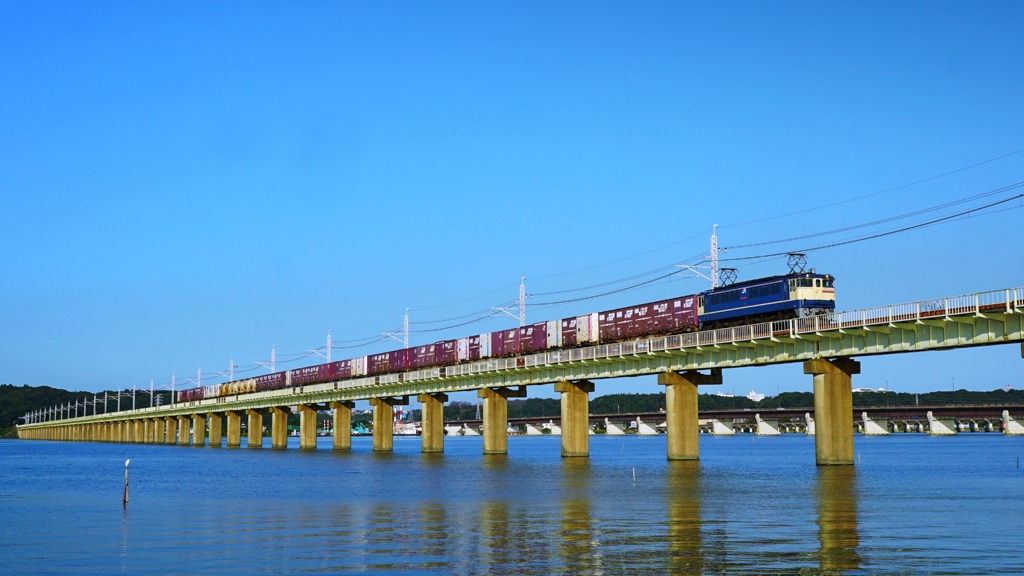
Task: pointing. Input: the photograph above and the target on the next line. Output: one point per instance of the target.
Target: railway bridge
(826, 345)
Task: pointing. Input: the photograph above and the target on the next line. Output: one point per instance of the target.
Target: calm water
(915, 505)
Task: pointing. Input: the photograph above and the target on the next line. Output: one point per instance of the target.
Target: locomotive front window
(817, 283)
(828, 282)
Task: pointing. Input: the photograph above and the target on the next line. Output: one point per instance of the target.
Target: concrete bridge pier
(432, 411)
(342, 425)
(198, 430)
(216, 429)
(495, 412)
(171, 427)
(610, 429)
(871, 427)
(254, 427)
(766, 428)
(183, 430)
(234, 439)
(147, 431)
(681, 423)
(940, 426)
(645, 429)
(278, 428)
(719, 428)
(1010, 425)
(307, 427)
(532, 430)
(833, 409)
(383, 421)
(575, 417)
(138, 436)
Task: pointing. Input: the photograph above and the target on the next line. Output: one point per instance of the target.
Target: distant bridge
(825, 344)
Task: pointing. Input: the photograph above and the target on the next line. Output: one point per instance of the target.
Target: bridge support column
(383, 422)
(575, 417)
(940, 426)
(216, 430)
(234, 439)
(342, 425)
(766, 428)
(719, 428)
(432, 411)
(172, 430)
(278, 428)
(255, 429)
(1011, 426)
(307, 427)
(183, 431)
(833, 409)
(809, 421)
(198, 430)
(495, 412)
(139, 432)
(147, 431)
(681, 422)
(872, 428)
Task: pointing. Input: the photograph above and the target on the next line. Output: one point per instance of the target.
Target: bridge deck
(940, 324)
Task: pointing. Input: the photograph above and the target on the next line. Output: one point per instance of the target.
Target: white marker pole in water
(126, 482)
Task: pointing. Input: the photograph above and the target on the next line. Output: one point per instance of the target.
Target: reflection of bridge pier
(577, 538)
(837, 518)
(683, 503)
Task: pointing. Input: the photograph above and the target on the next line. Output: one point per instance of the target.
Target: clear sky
(183, 182)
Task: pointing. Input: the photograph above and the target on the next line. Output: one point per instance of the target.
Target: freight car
(778, 297)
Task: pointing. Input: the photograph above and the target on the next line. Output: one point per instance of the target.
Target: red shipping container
(270, 381)
(378, 363)
(569, 331)
(446, 352)
(505, 343)
(422, 356)
(474, 347)
(398, 361)
(533, 338)
(665, 317)
(342, 370)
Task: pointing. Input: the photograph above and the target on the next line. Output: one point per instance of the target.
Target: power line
(887, 190)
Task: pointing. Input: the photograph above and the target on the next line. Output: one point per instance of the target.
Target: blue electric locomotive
(776, 298)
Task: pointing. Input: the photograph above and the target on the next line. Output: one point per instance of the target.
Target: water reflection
(683, 495)
(837, 518)
(579, 546)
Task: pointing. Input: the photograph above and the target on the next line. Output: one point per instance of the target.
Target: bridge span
(826, 345)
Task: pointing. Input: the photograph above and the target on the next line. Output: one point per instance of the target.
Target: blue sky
(185, 182)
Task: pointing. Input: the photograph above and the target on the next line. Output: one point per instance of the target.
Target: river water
(915, 504)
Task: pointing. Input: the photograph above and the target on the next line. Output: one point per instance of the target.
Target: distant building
(724, 395)
(868, 390)
(755, 396)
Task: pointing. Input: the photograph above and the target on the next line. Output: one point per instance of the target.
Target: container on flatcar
(568, 331)
(675, 315)
(398, 360)
(446, 353)
(533, 338)
(505, 342)
(422, 356)
(342, 369)
(554, 333)
(587, 331)
(474, 347)
(359, 366)
(664, 317)
(378, 363)
(190, 395)
(271, 381)
(212, 391)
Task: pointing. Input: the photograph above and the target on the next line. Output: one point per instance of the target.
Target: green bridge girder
(987, 318)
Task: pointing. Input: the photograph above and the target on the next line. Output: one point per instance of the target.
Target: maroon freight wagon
(270, 381)
(421, 356)
(446, 353)
(664, 317)
(311, 375)
(342, 369)
(533, 338)
(505, 343)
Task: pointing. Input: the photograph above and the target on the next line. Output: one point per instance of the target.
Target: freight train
(795, 295)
